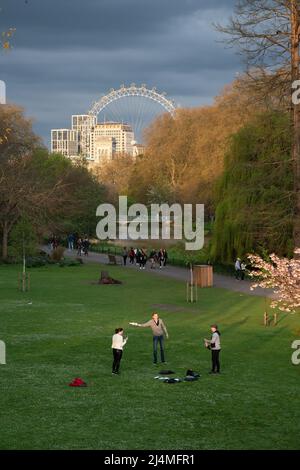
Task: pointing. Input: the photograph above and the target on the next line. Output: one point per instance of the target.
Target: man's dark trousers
(160, 340)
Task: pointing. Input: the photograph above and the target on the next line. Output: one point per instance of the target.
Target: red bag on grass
(78, 382)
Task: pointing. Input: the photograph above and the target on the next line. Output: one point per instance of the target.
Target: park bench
(112, 259)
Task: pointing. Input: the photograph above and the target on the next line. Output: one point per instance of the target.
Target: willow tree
(267, 33)
(254, 195)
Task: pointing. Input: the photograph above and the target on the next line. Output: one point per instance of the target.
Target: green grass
(66, 332)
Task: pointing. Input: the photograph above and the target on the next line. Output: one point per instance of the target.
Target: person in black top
(85, 246)
(214, 344)
(124, 254)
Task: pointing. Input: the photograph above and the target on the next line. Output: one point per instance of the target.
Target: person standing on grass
(118, 342)
(214, 344)
(159, 330)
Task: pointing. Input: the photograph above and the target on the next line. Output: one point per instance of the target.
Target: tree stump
(106, 279)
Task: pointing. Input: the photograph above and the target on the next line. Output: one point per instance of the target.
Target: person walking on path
(71, 242)
(86, 246)
(131, 256)
(243, 270)
(165, 256)
(238, 269)
(143, 258)
(214, 344)
(161, 258)
(118, 342)
(124, 254)
(79, 246)
(159, 330)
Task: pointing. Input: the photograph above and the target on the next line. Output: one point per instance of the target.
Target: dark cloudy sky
(68, 52)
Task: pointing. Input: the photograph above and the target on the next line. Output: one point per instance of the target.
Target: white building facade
(121, 136)
(93, 141)
(64, 141)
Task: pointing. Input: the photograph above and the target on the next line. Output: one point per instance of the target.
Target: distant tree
(115, 175)
(41, 188)
(19, 138)
(184, 156)
(23, 239)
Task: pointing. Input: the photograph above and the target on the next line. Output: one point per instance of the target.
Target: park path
(181, 274)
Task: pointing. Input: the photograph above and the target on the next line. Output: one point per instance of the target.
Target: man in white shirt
(118, 342)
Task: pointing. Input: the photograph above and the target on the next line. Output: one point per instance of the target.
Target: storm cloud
(67, 53)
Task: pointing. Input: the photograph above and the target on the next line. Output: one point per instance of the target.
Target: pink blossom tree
(280, 274)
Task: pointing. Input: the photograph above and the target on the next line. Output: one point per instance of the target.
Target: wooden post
(275, 319)
(23, 282)
(192, 282)
(266, 319)
(191, 287)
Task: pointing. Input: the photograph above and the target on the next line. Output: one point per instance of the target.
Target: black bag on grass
(172, 381)
(192, 373)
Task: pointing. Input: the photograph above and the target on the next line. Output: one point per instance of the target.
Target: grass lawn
(62, 329)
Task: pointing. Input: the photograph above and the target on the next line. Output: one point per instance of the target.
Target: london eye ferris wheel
(135, 105)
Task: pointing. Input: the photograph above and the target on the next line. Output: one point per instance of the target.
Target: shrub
(35, 261)
(69, 262)
(57, 254)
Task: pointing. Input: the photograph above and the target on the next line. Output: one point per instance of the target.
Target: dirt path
(179, 273)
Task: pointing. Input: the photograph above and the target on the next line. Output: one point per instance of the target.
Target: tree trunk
(4, 240)
(295, 62)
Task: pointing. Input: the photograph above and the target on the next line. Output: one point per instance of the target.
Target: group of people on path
(240, 269)
(82, 244)
(159, 331)
(54, 242)
(139, 256)
(74, 241)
